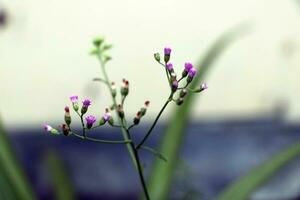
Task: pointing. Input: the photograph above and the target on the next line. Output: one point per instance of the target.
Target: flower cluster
(178, 93)
(188, 73)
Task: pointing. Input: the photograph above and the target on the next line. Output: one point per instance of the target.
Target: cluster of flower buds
(189, 72)
(124, 87)
(141, 113)
(101, 47)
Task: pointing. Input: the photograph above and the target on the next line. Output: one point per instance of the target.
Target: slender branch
(100, 80)
(83, 126)
(101, 141)
(155, 121)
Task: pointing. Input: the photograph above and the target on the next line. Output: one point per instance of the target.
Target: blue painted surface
(214, 154)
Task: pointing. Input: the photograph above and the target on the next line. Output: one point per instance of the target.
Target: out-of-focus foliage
(244, 186)
(60, 180)
(13, 182)
(163, 173)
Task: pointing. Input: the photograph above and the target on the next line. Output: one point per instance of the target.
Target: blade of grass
(11, 168)
(244, 186)
(61, 181)
(162, 174)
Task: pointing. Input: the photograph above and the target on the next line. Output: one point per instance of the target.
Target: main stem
(130, 146)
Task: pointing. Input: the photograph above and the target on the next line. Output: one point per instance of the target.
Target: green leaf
(60, 180)
(13, 182)
(162, 174)
(244, 186)
(154, 152)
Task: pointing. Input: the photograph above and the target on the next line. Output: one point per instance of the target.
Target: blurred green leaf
(13, 182)
(162, 175)
(154, 152)
(244, 186)
(62, 184)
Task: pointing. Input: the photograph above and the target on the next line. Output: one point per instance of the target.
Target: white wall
(44, 54)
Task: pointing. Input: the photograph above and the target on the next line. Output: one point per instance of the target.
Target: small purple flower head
(90, 120)
(167, 50)
(47, 127)
(107, 115)
(174, 85)
(86, 103)
(169, 66)
(203, 86)
(74, 99)
(192, 72)
(188, 66)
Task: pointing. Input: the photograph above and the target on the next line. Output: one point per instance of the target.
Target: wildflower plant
(178, 89)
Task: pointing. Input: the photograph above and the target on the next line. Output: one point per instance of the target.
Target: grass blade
(13, 179)
(60, 180)
(162, 174)
(244, 186)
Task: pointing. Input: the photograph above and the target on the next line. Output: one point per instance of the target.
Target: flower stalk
(87, 122)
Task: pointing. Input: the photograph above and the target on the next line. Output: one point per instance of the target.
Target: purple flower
(192, 72)
(203, 86)
(47, 127)
(188, 66)
(86, 103)
(169, 66)
(167, 51)
(90, 120)
(74, 99)
(106, 116)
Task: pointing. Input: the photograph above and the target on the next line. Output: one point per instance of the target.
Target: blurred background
(250, 112)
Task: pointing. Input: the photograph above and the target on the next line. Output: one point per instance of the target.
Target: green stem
(155, 121)
(124, 132)
(83, 126)
(101, 141)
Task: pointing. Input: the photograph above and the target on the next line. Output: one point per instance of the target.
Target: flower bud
(179, 101)
(114, 89)
(74, 100)
(187, 68)
(157, 57)
(202, 87)
(170, 68)
(167, 54)
(49, 128)
(90, 120)
(98, 41)
(65, 129)
(183, 92)
(174, 86)
(120, 111)
(144, 109)
(85, 104)
(137, 118)
(124, 88)
(191, 74)
(67, 116)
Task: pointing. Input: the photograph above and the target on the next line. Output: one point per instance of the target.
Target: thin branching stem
(155, 121)
(101, 141)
